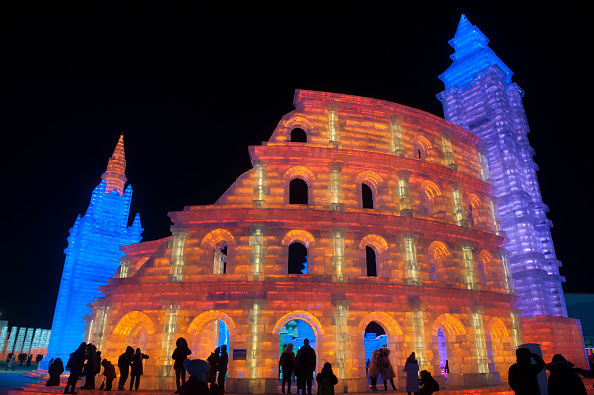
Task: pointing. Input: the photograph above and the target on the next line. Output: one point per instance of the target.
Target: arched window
(220, 259)
(366, 196)
(298, 135)
(297, 259)
(297, 191)
(371, 262)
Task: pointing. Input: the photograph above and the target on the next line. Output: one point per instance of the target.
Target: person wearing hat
(563, 379)
(197, 384)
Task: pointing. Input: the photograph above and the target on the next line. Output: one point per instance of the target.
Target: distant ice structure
(93, 254)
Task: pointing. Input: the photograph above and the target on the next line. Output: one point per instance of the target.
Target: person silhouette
(522, 375)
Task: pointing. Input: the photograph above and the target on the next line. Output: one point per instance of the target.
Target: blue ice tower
(480, 97)
(93, 254)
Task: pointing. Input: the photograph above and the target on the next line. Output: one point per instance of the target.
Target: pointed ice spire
(472, 55)
(114, 176)
(468, 39)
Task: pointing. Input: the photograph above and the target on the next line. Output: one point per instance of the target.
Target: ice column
(255, 337)
(418, 329)
(170, 328)
(409, 254)
(98, 328)
(480, 342)
(258, 251)
(396, 137)
(335, 186)
(459, 212)
(261, 190)
(507, 277)
(125, 264)
(333, 128)
(448, 152)
(177, 261)
(404, 193)
(485, 173)
(342, 338)
(468, 264)
(338, 262)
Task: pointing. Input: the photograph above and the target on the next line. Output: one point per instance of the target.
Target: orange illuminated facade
(399, 230)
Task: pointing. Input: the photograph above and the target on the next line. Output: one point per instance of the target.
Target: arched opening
(443, 353)
(366, 196)
(295, 332)
(220, 259)
(298, 191)
(371, 262)
(297, 258)
(212, 335)
(298, 135)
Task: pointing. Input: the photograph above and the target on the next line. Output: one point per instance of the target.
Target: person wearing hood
(326, 380)
(136, 369)
(197, 382)
(109, 373)
(563, 379)
(75, 365)
(523, 375)
(179, 355)
(55, 370)
(411, 367)
(124, 362)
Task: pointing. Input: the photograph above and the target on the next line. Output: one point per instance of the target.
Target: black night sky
(191, 91)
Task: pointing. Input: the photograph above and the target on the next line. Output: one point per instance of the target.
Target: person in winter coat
(427, 383)
(136, 369)
(92, 367)
(10, 363)
(306, 364)
(213, 361)
(288, 363)
(197, 383)
(109, 373)
(411, 367)
(75, 365)
(374, 368)
(563, 380)
(180, 354)
(222, 367)
(124, 362)
(55, 371)
(523, 375)
(326, 380)
(386, 368)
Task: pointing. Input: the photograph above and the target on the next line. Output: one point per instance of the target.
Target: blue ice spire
(479, 96)
(472, 55)
(93, 254)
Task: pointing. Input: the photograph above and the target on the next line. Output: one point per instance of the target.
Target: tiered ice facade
(481, 98)
(93, 255)
(398, 229)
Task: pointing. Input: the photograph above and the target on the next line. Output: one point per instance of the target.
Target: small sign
(239, 354)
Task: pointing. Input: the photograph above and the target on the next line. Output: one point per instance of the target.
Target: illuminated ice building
(92, 255)
(359, 212)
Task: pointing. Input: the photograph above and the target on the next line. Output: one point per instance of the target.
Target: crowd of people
(208, 377)
(23, 357)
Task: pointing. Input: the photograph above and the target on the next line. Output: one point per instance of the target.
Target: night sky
(191, 91)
